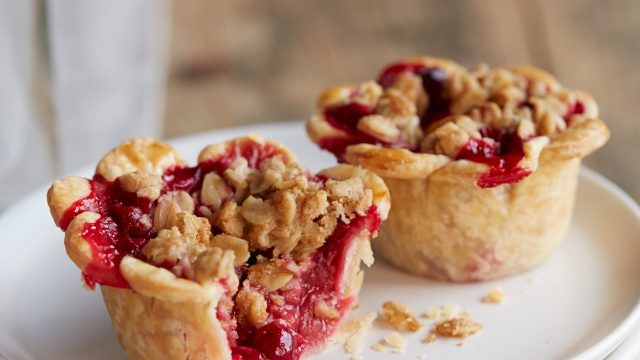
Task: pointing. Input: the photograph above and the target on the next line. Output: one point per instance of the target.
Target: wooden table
(248, 61)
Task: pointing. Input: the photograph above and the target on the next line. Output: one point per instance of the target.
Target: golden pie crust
(442, 225)
(165, 316)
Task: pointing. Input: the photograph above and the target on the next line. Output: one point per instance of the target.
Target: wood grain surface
(249, 61)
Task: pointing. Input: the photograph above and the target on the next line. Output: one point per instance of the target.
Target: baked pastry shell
(442, 225)
(149, 326)
(445, 227)
(152, 326)
(163, 316)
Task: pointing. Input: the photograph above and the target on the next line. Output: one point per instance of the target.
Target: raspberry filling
(292, 328)
(502, 155)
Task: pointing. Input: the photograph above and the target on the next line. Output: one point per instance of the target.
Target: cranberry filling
(345, 117)
(190, 178)
(277, 341)
(292, 327)
(391, 72)
(502, 156)
(103, 238)
(125, 225)
(574, 109)
(433, 81)
(338, 145)
(246, 353)
(96, 202)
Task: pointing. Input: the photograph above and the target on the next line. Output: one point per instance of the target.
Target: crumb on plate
(431, 337)
(495, 296)
(400, 316)
(457, 328)
(353, 331)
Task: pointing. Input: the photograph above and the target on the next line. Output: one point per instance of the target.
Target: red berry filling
(124, 227)
(277, 341)
(433, 80)
(104, 240)
(246, 353)
(502, 156)
(292, 327)
(190, 178)
(96, 202)
(574, 109)
(345, 117)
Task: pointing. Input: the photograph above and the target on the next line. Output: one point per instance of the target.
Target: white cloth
(25, 146)
(107, 65)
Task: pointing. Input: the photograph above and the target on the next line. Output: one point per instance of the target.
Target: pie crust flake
(246, 255)
(482, 163)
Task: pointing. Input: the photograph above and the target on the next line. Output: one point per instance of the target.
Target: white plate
(581, 304)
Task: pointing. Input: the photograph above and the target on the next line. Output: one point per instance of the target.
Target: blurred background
(77, 77)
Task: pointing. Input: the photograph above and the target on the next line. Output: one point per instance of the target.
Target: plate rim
(602, 348)
(620, 333)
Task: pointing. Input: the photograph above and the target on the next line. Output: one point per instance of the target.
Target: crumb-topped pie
(246, 255)
(481, 163)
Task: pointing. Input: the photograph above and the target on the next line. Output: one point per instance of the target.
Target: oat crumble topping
(478, 97)
(278, 208)
(435, 106)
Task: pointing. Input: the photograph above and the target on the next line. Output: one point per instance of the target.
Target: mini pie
(246, 255)
(481, 163)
